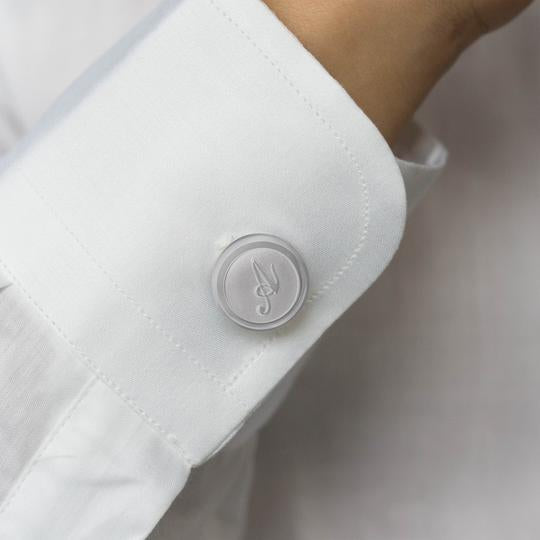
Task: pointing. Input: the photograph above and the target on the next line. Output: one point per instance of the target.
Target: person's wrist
(386, 57)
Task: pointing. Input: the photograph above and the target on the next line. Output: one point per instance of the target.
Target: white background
(419, 417)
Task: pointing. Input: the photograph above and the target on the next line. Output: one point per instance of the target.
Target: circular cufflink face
(260, 282)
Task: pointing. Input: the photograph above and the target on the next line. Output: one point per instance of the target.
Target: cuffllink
(260, 282)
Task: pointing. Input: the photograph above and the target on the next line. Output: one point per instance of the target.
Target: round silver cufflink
(260, 282)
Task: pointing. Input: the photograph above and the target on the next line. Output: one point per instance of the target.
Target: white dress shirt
(119, 374)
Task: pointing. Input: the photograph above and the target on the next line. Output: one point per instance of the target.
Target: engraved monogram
(267, 286)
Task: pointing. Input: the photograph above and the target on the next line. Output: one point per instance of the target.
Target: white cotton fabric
(111, 215)
(35, 386)
(426, 393)
(133, 226)
(421, 159)
(75, 461)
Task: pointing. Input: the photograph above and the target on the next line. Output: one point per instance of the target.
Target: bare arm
(388, 54)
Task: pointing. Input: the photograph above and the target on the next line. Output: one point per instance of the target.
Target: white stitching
(253, 359)
(138, 307)
(354, 255)
(171, 437)
(225, 386)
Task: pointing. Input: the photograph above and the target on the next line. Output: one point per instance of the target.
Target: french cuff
(421, 158)
(207, 123)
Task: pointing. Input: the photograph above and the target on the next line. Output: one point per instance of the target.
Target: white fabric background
(418, 418)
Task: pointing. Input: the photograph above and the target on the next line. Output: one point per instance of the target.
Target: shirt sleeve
(206, 123)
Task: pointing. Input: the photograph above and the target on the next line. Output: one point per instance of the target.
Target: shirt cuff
(421, 158)
(206, 123)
